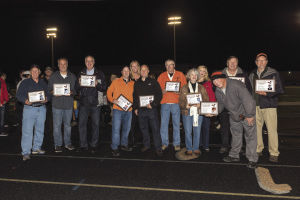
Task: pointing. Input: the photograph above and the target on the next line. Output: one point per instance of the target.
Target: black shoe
(3, 134)
(159, 153)
(144, 149)
(252, 165)
(58, 149)
(230, 159)
(223, 150)
(115, 153)
(126, 148)
(70, 147)
(273, 159)
(93, 150)
(260, 153)
(82, 149)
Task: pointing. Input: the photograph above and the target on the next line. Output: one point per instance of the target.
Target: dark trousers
(225, 128)
(19, 110)
(205, 132)
(134, 130)
(146, 118)
(2, 112)
(84, 112)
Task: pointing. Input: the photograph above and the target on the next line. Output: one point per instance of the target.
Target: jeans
(149, 117)
(205, 132)
(192, 142)
(33, 120)
(120, 118)
(165, 111)
(2, 112)
(84, 112)
(59, 116)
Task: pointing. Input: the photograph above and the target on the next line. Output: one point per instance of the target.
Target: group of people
(138, 98)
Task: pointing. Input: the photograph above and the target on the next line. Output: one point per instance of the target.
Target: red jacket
(4, 93)
(209, 90)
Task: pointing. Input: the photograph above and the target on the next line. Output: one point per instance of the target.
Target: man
(169, 105)
(148, 114)
(62, 105)
(266, 105)
(88, 105)
(34, 114)
(3, 100)
(232, 71)
(234, 96)
(47, 74)
(121, 116)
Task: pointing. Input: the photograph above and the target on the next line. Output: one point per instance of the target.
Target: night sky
(116, 32)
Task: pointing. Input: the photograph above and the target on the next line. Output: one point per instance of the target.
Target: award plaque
(265, 85)
(242, 79)
(172, 86)
(38, 96)
(193, 99)
(87, 81)
(123, 103)
(61, 89)
(209, 108)
(145, 100)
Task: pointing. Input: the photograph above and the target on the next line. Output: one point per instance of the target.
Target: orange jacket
(171, 97)
(118, 87)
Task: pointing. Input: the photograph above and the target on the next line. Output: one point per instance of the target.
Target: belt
(37, 105)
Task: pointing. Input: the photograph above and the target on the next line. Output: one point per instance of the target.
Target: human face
(134, 67)
(202, 72)
(170, 66)
(261, 63)
(125, 72)
(48, 73)
(220, 82)
(63, 65)
(193, 77)
(232, 64)
(35, 72)
(144, 71)
(3, 77)
(89, 62)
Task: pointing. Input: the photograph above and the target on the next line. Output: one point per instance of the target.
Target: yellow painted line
(148, 188)
(150, 160)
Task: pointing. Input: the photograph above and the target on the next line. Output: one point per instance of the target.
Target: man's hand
(149, 106)
(27, 102)
(250, 121)
(115, 102)
(136, 112)
(164, 91)
(45, 101)
(188, 106)
(262, 93)
(209, 115)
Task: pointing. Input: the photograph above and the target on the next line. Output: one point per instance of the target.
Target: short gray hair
(193, 70)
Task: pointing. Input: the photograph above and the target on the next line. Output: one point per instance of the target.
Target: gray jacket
(237, 100)
(62, 102)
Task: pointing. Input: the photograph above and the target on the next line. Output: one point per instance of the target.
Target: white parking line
(150, 160)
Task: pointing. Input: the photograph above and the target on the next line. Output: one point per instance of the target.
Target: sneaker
(26, 157)
(3, 134)
(115, 153)
(70, 147)
(159, 153)
(164, 147)
(188, 153)
(273, 159)
(126, 148)
(58, 149)
(177, 148)
(144, 149)
(197, 152)
(223, 150)
(207, 149)
(93, 150)
(39, 151)
(6, 126)
(230, 159)
(15, 125)
(252, 165)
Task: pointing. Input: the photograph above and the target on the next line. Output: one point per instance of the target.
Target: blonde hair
(193, 70)
(206, 77)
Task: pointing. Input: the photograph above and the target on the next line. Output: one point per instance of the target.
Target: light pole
(173, 21)
(51, 33)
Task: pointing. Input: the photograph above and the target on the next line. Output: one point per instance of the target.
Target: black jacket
(145, 88)
(89, 95)
(241, 73)
(271, 100)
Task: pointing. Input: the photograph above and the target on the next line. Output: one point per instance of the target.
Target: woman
(190, 113)
(135, 70)
(3, 100)
(205, 81)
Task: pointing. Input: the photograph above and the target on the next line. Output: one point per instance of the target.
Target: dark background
(116, 32)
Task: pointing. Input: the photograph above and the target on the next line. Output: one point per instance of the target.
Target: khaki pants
(269, 116)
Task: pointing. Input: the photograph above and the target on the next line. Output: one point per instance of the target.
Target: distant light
(289, 72)
(174, 18)
(51, 35)
(175, 22)
(51, 29)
